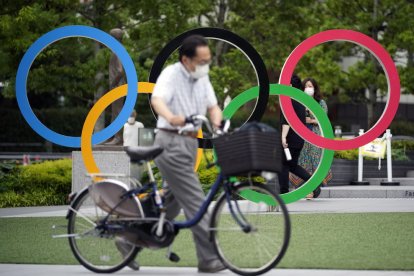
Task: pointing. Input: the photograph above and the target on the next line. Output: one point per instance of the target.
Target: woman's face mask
(131, 120)
(310, 91)
(200, 71)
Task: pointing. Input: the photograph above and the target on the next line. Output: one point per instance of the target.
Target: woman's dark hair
(317, 94)
(190, 44)
(295, 81)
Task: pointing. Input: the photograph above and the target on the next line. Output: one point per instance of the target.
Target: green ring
(326, 128)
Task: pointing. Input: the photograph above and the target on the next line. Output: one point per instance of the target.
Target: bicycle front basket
(249, 151)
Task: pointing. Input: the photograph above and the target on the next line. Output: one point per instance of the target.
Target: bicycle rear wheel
(264, 242)
(94, 248)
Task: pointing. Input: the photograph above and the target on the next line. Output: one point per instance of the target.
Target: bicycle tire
(110, 259)
(226, 244)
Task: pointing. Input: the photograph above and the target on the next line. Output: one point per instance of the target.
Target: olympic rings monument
(94, 162)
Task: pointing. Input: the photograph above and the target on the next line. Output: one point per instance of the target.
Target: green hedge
(207, 176)
(47, 183)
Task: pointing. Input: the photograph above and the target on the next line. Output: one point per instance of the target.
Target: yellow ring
(95, 112)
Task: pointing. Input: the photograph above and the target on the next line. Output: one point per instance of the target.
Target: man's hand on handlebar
(190, 122)
(177, 120)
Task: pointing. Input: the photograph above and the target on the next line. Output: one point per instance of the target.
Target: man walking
(184, 89)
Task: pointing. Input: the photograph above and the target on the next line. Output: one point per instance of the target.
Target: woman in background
(311, 155)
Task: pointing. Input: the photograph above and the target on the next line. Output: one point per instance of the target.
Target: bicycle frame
(204, 207)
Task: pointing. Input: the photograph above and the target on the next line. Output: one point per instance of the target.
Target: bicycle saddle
(137, 154)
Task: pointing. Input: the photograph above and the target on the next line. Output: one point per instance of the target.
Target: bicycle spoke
(81, 215)
(258, 250)
(94, 249)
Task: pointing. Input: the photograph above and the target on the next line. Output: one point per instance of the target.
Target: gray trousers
(176, 164)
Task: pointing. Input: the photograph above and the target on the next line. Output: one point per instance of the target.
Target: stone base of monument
(109, 160)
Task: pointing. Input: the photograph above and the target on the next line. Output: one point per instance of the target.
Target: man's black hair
(296, 82)
(190, 44)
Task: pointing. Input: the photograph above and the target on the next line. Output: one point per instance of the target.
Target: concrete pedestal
(109, 160)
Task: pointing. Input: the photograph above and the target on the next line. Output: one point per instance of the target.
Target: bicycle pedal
(174, 257)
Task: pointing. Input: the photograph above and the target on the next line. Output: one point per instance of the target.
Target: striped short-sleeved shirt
(183, 94)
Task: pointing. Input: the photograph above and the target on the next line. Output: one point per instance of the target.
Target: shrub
(405, 145)
(402, 127)
(34, 198)
(207, 176)
(46, 183)
(351, 154)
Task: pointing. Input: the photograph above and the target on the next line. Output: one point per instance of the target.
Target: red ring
(390, 72)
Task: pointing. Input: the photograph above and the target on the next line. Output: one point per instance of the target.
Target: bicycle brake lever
(190, 119)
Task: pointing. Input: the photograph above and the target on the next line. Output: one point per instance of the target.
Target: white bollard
(389, 181)
(360, 166)
(389, 155)
(360, 159)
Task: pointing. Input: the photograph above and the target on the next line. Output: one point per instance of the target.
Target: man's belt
(192, 134)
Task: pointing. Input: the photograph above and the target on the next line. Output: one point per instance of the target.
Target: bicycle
(241, 224)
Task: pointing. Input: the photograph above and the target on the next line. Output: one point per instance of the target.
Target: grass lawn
(383, 241)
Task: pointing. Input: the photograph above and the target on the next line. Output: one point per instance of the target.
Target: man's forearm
(216, 116)
(161, 108)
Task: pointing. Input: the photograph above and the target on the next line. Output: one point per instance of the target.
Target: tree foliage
(75, 69)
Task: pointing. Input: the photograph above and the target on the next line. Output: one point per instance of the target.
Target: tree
(388, 22)
(22, 22)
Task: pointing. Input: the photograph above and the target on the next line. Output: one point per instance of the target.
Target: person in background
(311, 155)
(131, 127)
(292, 141)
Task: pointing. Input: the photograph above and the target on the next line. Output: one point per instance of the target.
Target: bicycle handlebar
(192, 120)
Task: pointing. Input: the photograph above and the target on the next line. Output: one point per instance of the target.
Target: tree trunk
(221, 18)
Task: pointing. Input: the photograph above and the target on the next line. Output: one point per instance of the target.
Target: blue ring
(75, 31)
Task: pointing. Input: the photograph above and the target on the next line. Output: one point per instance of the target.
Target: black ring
(233, 39)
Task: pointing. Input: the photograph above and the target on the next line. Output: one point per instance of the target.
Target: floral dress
(311, 155)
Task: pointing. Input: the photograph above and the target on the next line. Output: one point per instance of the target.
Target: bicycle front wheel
(261, 243)
(96, 250)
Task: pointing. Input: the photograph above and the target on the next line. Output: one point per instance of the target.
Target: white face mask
(200, 71)
(310, 91)
(131, 120)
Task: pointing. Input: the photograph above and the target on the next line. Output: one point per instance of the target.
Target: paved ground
(320, 205)
(64, 270)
